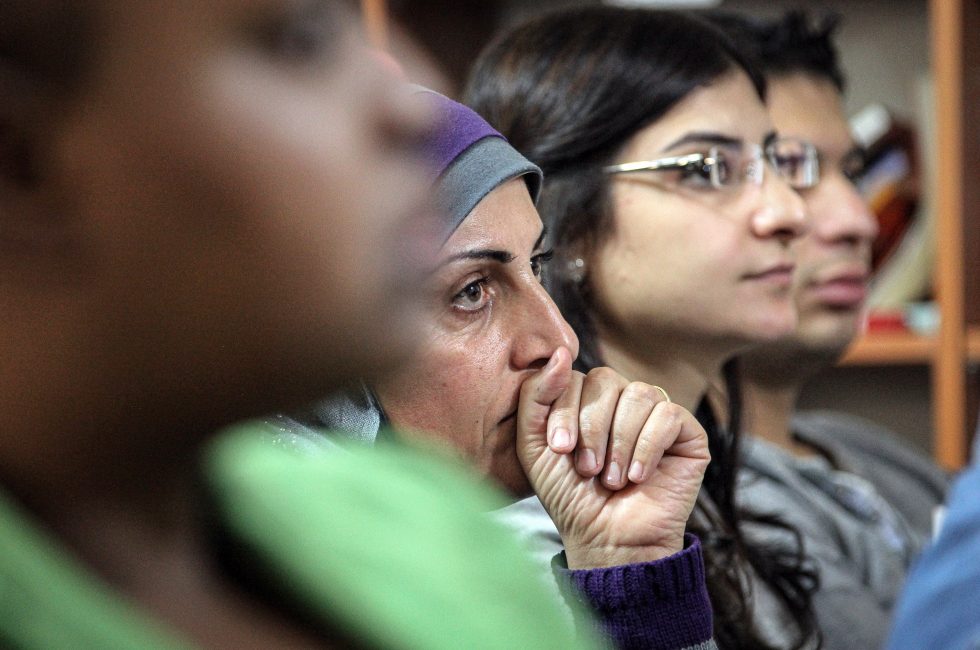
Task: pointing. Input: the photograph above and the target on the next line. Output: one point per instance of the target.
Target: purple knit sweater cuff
(662, 604)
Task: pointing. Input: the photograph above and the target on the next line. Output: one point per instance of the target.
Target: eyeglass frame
(759, 154)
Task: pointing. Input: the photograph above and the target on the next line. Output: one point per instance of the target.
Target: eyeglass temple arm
(653, 165)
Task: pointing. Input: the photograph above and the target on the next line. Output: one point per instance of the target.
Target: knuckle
(641, 393)
(605, 376)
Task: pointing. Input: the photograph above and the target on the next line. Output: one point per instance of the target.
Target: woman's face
(687, 266)
(245, 191)
(489, 324)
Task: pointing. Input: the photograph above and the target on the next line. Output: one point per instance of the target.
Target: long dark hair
(569, 89)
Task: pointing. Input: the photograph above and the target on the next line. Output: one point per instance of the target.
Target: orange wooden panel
(973, 344)
(949, 390)
(891, 348)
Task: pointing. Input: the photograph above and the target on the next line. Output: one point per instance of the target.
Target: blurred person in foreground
(862, 498)
(188, 203)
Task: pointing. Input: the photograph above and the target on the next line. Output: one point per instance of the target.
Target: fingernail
(561, 438)
(587, 461)
(613, 474)
(636, 471)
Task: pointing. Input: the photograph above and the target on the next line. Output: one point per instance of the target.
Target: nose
(839, 213)
(539, 329)
(780, 213)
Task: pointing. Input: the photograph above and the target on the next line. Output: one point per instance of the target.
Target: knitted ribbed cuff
(661, 604)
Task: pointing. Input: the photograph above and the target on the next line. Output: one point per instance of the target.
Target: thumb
(538, 394)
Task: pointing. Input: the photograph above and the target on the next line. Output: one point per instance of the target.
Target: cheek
(666, 254)
(449, 394)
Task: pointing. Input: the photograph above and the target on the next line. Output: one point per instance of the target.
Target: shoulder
(872, 443)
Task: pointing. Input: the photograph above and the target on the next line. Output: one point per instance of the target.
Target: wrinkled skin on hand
(623, 516)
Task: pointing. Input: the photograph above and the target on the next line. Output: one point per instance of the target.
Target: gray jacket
(864, 511)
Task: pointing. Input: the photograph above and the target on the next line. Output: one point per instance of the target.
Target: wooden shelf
(973, 343)
(892, 348)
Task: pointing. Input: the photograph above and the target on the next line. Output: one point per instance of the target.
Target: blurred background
(913, 75)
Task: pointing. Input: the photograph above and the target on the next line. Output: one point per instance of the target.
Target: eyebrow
(503, 257)
(704, 137)
(499, 256)
(710, 137)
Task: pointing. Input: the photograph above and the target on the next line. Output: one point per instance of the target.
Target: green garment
(385, 545)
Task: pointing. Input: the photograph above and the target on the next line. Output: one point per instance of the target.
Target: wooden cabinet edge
(973, 343)
(891, 348)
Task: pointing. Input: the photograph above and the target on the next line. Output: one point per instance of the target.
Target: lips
(842, 292)
(780, 275)
(841, 288)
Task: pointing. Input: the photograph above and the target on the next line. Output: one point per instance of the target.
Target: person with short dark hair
(862, 499)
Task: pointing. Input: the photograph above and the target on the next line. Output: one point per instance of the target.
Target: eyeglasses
(794, 160)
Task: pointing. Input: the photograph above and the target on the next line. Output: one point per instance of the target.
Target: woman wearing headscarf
(492, 385)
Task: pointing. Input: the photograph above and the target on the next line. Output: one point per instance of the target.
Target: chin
(778, 325)
(834, 330)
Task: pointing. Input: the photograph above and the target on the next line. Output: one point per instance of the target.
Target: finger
(635, 405)
(692, 440)
(670, 430)
(600, 393)
(563, 419)
(538, 393)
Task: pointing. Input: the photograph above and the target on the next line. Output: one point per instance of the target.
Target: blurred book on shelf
(889, 181)
(897, 183)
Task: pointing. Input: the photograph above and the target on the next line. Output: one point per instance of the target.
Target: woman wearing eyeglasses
(670, 198)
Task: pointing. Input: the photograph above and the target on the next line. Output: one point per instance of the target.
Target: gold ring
(664, 393)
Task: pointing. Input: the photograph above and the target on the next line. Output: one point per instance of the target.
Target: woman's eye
(473, 297)
(852, 167)
(790, 168)
(698, 173)
(539, 261)
(724, 169)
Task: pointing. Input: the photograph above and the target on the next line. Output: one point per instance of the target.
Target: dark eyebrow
(716, 139)
(499, 256)
(705, 137)
(502, 257)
